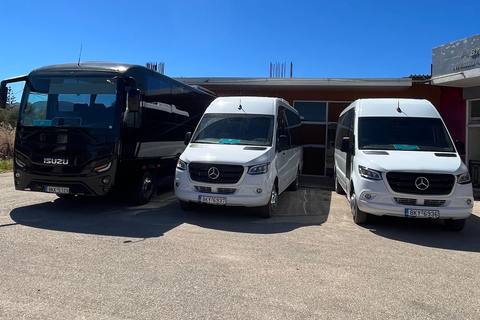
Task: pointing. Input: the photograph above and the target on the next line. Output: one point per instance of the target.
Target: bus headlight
(103, 167)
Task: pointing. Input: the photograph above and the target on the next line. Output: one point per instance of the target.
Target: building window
(474, 112)
(314, 111)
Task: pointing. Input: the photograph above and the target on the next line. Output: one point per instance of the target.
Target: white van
(395, 157)
(245, 151)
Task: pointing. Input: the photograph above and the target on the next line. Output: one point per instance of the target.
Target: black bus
(90, 128)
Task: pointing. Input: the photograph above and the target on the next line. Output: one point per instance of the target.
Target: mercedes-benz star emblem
(213, 173)
(422, 183)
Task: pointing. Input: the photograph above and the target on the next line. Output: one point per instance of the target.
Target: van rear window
(422, 134)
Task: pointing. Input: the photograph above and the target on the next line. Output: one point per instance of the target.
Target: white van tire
(455, 225)
(268, 210)
(359, 217)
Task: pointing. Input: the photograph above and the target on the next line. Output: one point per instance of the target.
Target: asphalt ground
(92, 258)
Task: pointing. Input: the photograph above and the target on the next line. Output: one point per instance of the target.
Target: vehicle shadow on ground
(427, 232)
(114, 217)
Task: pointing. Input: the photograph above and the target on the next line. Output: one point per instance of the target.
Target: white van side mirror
(345, 147)
(283, 143)
(460, 145)
(188, 136)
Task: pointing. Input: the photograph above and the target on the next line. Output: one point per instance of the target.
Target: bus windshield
(87, 102)
(248, 129)
(408, 134)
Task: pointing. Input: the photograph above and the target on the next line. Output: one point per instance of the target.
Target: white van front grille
(431, 183)
(414, 202)
(215, 190)
(223, 173)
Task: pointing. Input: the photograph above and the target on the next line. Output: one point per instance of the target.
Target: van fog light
(259, 190)
(177, 184)
(368, 196)
(468, 201)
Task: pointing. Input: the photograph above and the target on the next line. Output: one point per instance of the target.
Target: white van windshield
(246, 129)
(422, 134)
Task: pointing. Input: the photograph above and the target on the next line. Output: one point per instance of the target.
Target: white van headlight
(463, 178)
(262, 168)
(182, 165)
(368, 173)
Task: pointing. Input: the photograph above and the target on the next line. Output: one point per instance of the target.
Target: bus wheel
(145, 189)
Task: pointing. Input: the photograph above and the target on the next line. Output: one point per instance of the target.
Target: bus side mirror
(460, 145)
(3, 96)
(188, 136)
(345, 146)
(133, 100)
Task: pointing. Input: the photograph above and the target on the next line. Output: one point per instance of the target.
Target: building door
(319, 122)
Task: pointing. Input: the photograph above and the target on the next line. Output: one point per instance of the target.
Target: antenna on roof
(240, 106)
(398, 107)
(80, 55)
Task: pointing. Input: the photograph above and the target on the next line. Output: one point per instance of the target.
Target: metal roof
(301, 83)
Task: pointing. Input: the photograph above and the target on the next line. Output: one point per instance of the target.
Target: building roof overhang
(302, 83)
(462, 79)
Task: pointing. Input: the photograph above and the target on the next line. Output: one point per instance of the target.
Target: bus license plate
(434, 214)
(212, 200)
(60, 190)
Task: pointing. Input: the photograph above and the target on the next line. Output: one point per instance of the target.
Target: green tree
(9, 116)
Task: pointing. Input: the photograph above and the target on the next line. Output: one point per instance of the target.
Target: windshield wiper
(86, 134)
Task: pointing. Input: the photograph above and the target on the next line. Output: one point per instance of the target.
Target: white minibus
(395, 157)
(245, 151)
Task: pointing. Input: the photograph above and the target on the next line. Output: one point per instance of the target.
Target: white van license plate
(212, 200)
(60, 190)
(435, 214)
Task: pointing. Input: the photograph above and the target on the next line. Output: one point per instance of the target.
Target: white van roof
(393, 107)
(249, 105)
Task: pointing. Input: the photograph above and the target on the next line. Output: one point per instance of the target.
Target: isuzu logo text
(55, 161)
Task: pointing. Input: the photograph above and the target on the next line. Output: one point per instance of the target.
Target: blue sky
(323, 39)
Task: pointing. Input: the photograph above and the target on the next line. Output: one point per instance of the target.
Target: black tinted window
(423, 134)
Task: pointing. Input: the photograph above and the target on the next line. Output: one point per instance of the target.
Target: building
(457, 65)
(454, 89)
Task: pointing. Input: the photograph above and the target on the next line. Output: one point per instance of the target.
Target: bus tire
(145, 189)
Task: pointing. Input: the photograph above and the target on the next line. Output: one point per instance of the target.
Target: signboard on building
(456, 56)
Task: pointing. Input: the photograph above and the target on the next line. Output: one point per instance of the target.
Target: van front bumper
(374, 198)
(252, 191)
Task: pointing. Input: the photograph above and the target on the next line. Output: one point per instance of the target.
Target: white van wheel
(359, 217)
(267, 210)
